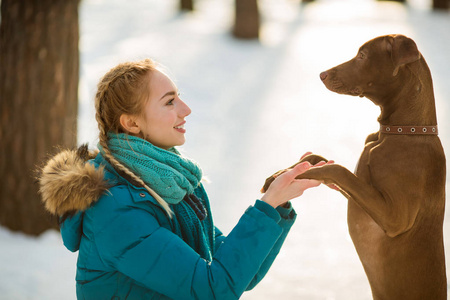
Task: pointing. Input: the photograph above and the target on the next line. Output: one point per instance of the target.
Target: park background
(257, 106)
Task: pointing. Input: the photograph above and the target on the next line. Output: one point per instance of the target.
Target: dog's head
(376, 68)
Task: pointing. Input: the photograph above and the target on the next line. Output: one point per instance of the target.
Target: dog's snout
(323, 75)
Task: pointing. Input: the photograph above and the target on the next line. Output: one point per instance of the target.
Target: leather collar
(410, 130)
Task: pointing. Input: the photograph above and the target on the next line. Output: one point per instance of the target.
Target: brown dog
(397, 194)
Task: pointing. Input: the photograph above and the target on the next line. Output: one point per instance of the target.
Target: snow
(257, 107)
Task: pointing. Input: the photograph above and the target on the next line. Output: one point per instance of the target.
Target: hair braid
(122, 91)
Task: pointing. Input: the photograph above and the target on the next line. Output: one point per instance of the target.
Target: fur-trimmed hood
(69, 183)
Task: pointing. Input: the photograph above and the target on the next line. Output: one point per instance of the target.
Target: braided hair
(124, 90)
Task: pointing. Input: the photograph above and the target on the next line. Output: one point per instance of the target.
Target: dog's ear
(403, 51)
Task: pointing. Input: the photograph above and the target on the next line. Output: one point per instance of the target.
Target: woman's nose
(185, 110)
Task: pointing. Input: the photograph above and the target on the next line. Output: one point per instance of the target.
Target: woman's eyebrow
(171, 93)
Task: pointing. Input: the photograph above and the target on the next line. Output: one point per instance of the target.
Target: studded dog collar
(418, 130)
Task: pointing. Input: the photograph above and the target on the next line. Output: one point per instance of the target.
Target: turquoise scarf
(169, 174)
(174, 178)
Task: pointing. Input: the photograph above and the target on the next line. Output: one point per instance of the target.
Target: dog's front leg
(383, 211)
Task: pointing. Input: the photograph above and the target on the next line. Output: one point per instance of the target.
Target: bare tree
(187, 5)
(39, 61)
(441, 4)
(246, 25)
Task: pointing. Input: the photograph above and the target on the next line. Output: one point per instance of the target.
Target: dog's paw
(270, 179)
(309, 157)
(312, 159)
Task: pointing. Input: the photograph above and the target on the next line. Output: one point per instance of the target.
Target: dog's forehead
(376, 40)
(373, 43)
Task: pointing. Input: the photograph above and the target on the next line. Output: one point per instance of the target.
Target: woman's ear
(129, 124)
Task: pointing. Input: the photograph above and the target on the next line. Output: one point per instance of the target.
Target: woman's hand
(285, 187)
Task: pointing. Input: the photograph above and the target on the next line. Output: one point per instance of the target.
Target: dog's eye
(361, 55)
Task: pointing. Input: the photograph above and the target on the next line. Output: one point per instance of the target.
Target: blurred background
(252, 82)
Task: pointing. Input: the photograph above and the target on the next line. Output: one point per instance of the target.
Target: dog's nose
(323, 75)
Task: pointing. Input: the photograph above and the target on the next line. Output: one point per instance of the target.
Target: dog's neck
(413, 104)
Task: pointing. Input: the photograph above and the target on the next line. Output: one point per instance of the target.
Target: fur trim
(68, 183)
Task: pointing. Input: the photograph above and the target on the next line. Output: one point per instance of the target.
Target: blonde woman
(137, 212)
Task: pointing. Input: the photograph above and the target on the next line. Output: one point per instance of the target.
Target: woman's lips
(180, 128)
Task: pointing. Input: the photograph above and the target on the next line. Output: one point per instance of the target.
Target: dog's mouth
(340, 88)
(356, 92)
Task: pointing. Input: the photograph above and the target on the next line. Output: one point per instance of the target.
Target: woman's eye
(170, 102)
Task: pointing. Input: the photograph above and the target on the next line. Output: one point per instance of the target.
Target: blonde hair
(124, 90)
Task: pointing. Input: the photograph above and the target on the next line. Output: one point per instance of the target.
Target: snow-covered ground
(257, 107)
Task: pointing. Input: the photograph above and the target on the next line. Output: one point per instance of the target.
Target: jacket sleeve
(288, 217)
(133, 242)
(218, 238)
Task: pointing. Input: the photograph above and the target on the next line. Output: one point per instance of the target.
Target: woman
(138, 213)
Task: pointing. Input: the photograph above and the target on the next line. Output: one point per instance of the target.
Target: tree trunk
(441, 4)
(246, 24)
(187, 5)
(39, 61)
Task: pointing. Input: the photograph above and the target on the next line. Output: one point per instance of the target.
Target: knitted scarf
(169, 174)
(172, 177)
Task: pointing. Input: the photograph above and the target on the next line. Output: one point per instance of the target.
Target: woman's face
(163, 120)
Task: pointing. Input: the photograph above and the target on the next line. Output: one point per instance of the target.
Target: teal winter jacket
(128, 248)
